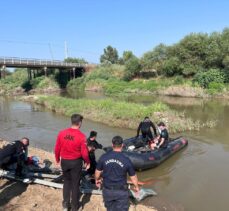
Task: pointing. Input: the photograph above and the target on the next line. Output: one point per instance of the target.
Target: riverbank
(23, 197)
(110, 80)
(118, 113)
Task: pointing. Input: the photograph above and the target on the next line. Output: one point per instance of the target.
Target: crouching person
(113, 167)
(14, 153)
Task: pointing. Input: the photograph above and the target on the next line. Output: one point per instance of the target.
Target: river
(195, 178)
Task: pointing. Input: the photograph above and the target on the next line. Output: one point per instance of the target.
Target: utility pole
(65, 50)
(50, 50)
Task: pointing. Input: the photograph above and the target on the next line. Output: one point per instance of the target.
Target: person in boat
(145, 128)
(15, 153)
(163, 139)
(113, 167)
(71, 150)
(92, 140)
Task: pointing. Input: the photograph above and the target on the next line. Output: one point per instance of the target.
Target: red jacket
(71, 145)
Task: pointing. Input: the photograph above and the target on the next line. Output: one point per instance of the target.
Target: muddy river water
(197, 178)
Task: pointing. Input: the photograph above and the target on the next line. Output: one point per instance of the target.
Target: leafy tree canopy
(110, 55)
(76, 60)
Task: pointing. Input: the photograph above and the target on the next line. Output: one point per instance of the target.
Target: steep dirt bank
(22, 197)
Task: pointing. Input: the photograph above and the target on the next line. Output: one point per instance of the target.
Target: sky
(40, 29)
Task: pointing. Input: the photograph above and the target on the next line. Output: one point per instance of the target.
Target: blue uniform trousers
(116, 200)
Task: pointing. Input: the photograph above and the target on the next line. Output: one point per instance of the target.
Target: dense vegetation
(202, 56)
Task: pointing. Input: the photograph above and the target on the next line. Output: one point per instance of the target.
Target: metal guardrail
(14, 61)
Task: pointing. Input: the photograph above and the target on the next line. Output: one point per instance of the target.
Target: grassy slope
(109, 80)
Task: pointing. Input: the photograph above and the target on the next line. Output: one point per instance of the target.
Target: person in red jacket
(70, 150)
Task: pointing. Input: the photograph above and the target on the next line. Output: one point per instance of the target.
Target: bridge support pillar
(29, 74)
(45, 69)
(34, 73)
(74, 72)
(3, 72)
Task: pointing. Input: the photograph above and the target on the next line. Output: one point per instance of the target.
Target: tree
(132, 68)
(172, 67)
(154, 59)
(127, 55)
(109, 56)
(226, 62)
(226, 68)
(76, 60)
(213, 51)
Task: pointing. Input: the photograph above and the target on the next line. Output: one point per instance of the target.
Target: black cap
(93, 133)
(117, 141)
(161, 124)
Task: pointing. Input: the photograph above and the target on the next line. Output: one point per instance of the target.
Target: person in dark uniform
(93, 163)
(163, 139)
(15, 152)
(71, 149)
(92, 145)
(145, 128)
(92, 140)
(113, 167)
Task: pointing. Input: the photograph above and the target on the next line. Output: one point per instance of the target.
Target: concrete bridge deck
(37, 63)
(35, 66)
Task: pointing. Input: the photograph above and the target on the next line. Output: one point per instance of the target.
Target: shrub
(26, 85)
(77, 83)
(106, 72)
(205, 78)
(178, 80)
(215, 87)
(188, 70)
(35, 82)
(47, 83)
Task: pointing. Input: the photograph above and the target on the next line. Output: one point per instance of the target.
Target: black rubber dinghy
(144, 158)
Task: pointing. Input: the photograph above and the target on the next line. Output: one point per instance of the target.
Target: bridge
(39, 67)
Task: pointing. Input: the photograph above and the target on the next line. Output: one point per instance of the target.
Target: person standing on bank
(70, 148)
(113, 167)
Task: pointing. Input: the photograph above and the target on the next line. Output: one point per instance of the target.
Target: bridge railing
(40, 62)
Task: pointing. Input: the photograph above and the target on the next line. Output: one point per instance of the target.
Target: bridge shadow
(62, 77)
(10, 190)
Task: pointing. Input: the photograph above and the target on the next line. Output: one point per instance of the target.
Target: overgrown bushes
(213, 76)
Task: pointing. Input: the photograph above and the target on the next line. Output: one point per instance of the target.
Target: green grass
(117, 113)
(13, 80)
(19, 78)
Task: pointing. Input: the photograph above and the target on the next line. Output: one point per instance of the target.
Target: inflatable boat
(143, 157)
